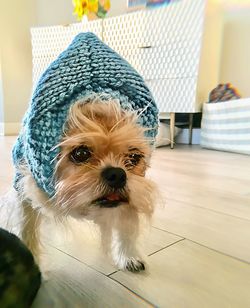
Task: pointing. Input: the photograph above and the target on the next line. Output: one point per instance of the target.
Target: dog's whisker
(145, 108)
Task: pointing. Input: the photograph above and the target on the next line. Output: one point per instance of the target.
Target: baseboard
(183, 137)
(10, 128)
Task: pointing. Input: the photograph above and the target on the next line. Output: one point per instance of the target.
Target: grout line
(213, 249)
(137, 295)
(206, 208)
(82, 262)
(166, 247)
(203, 245)
(108, 275)
(220, 252)
(181, 237)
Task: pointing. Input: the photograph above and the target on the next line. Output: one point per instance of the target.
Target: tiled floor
(198, 248)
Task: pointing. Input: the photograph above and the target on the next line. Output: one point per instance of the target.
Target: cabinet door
(125, 33)
(179, 21)
(164, 46)
(49, 42)
(178, 59)
(174, 95)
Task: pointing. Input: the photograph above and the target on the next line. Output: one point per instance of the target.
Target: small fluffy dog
(82, 151)
(100, 175)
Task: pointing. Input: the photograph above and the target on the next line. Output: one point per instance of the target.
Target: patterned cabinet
(166, 46)
(175, 48)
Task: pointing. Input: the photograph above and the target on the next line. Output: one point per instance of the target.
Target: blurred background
(17, 17)
(198, 247)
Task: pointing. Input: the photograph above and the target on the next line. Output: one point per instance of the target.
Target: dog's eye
(132, 160)
(135, 158)
(80, 155)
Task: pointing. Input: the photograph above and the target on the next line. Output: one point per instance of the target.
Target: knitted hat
(87, 66)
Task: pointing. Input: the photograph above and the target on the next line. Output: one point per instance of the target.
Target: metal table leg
(191, 116)
(172, 126)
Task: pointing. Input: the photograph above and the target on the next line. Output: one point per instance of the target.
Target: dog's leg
(31, 229)
(124, 240)
(20, 218)
(120, 233)
(106, 235)
(11, 213)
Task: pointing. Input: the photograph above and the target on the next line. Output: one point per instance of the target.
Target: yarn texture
(86, 67)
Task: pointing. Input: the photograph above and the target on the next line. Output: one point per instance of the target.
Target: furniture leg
(191, 116)
(172, 126)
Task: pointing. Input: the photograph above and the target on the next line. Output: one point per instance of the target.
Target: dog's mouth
(111, 200)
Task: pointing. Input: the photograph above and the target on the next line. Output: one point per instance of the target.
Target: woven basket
(226, 126)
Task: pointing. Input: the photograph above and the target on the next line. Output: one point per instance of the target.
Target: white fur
(111, 131)
(11, 213)
(119, 226)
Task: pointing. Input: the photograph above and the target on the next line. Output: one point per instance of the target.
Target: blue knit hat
(87, 66)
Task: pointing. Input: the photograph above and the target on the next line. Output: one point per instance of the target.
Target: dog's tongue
(113, 197)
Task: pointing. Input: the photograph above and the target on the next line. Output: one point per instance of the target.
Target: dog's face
(102, 162)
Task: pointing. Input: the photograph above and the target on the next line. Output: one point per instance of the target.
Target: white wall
(235, 56)
(118, 7)
(54, 12)
(1, 97)
(16, 18)
(61, 12)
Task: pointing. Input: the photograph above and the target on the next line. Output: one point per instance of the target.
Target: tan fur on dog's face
(111, 137)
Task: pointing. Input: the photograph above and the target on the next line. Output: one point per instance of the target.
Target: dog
(99, 176)
(83, 151)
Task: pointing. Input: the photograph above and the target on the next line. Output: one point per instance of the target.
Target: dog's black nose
(115, 177)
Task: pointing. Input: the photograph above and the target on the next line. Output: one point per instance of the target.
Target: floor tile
(221, 232)
(189, 275)
(82, 240)
(70, 283)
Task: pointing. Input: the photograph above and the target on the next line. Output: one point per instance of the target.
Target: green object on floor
(20, 277)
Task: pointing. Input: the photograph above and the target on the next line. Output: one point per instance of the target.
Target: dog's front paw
(134, 265)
